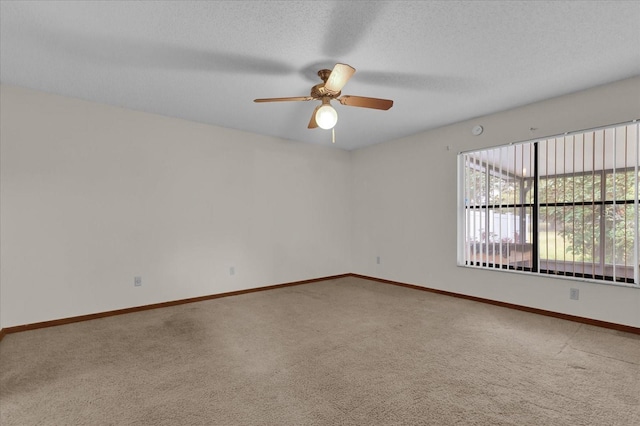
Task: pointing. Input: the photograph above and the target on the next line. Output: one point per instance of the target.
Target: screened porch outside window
(565, 205)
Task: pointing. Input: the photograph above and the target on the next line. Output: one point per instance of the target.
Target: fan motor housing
(318, 91)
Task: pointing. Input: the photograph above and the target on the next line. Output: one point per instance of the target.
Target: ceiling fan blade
(361, 101)
(312, 123)
(338, 78)
(299, 98)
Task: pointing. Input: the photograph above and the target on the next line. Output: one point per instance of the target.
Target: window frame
(534, 203)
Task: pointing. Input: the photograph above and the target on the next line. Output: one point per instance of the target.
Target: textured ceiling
(441, 62)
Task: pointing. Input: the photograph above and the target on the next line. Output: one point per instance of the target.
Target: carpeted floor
(340, 352)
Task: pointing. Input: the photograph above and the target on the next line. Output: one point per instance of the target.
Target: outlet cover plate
(574, 294)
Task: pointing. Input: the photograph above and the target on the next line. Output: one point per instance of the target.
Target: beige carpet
(341, 352)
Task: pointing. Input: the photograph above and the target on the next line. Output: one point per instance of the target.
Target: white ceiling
(440, 61)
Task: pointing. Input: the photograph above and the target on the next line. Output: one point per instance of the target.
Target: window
(565, 205)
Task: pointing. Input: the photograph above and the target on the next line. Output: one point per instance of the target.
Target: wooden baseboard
(597, 323)
(53, 323)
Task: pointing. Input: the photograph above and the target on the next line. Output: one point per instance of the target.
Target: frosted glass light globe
(326, 117)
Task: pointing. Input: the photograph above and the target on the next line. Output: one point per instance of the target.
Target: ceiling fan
(324, 116)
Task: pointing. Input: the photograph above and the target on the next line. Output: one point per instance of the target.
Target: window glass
(572, 212)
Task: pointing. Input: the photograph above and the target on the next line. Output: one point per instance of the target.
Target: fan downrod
(324, 75)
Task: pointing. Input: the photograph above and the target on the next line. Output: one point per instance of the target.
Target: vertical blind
(565, 205)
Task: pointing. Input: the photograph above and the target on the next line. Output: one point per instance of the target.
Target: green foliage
(580, 225)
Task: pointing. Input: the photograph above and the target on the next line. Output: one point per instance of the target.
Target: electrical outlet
(378, 260)
(232, 271)
(137, 281)
(574, 294)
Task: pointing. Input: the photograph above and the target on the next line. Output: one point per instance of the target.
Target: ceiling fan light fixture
(326, 117)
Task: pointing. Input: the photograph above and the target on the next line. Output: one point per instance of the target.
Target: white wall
(93, 195)
(405, 206)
